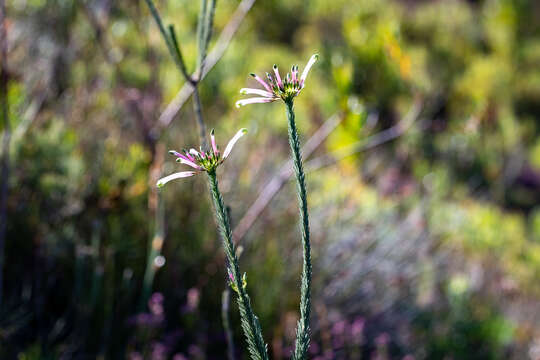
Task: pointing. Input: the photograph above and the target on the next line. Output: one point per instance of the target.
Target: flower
(201, 160)
(277, 88)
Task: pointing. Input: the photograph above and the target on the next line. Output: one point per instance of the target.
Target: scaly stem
(250, 322)
(302, 329)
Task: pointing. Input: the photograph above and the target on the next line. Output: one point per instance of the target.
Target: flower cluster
(277, 88)
(201, 160)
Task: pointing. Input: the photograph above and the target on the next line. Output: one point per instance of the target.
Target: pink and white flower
(201, 160)
(276, 88)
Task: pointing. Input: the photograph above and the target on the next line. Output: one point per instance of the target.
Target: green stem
(302, 329)
(198, 116)
(250, 322)
(170, 40)
(201, 24)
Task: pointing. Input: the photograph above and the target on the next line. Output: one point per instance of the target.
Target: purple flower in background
(193, 297)
(275, 87)
(357, 327)
(159, 352)
(201, 160)
(135, 356)
(155, 304)
(382, 340)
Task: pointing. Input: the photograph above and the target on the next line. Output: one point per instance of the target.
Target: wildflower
(287, 89)
(201, 160)
(277, 88)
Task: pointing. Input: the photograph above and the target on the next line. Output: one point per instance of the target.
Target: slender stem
(198, 116)
(302, 329)
(207, 35)
(250, 322)
(177, 54)
(170, 40)
(201, 24)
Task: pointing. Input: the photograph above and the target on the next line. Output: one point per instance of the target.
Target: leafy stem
(250, 322)
(302, 329)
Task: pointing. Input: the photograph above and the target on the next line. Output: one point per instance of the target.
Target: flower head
(201, 160)
(275, 87)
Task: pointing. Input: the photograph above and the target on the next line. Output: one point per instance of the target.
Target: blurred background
(422, 133)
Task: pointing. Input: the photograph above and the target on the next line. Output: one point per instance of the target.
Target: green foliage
(466, 329)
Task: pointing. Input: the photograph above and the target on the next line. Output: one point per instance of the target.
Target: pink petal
(250, 91)
(181, 156)
(194, 152)
(174, 176)
(190, 163)
(310, 63)
(190, 158)
(233, 141)
(213, 141)
(256, 100)
(278, 78)
(262, 82)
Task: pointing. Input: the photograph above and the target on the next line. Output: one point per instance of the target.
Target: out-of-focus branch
(4, 112)
(215, 55)
(284, 173)
(28, 118)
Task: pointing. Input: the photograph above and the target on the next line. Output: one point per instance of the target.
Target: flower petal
(307, 68)
(180, 156)
(213, 141)
(175, 153)
(189, 163)
(293, 73)
(189, 157)
(233, 141)
(262, 82)
(255, 100)
(250, 91)
(192, 151)
(278, 78)
(174, 176)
